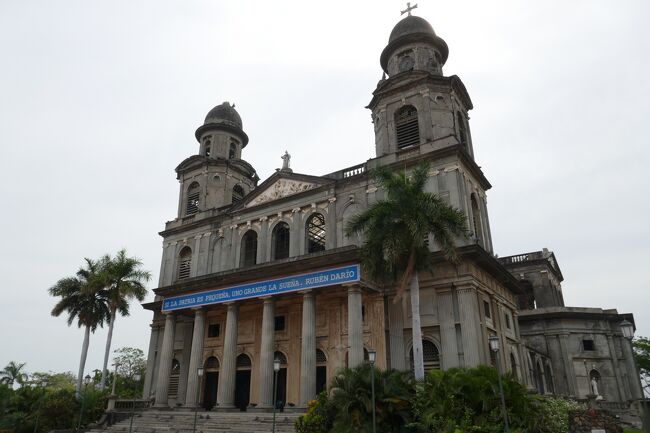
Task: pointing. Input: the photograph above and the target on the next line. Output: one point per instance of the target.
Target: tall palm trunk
(107, 352)
(82, 361)
(418, 358)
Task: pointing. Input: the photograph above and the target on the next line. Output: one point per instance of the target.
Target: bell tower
(419, 114)
(217, 176)
(414, 104)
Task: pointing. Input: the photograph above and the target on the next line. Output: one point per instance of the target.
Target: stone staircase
(154, 421)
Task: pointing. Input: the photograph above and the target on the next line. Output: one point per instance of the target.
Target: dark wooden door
(210, 389)
(242, 389)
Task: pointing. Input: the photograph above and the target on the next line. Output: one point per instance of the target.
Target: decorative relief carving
(281, 188)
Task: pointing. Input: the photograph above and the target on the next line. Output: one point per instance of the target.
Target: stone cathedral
(253, 272)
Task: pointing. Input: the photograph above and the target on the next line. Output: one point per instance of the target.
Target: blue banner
(311, 280)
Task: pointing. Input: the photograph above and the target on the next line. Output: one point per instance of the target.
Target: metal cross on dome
(409, 8)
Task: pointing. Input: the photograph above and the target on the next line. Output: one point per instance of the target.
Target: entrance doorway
(243, 382)
(281, 390)
(211, 383)
(321, 371)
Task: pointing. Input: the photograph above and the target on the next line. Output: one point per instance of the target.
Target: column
(265, 399)
(196, 359)
(632, 372)
(617, 370)
(151, 362)
(448, 340)
(396, 335)
(165, 366)
(226, 391)
(469, 326)
(355, 327)
(308, 350)
(568, 366)
(262, 244)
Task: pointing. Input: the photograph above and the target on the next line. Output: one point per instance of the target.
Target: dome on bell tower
(224, 118)
(413, 44)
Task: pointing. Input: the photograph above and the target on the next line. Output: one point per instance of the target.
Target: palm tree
(83, 300)
(396, 232)
(124, 281)
(12, 374)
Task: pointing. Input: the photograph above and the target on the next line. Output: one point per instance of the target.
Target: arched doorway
(243, 382)
(321, 371)
(211, 382)
(281, 390)
(174, 379)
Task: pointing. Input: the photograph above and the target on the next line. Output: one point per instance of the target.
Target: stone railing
(127, 405)
(519, 258)
(349, 172)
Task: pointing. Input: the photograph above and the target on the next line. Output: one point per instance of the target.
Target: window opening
(430, 355)
(280, 323)
(476, 217)
(233, 151)
(320, 357)
(507, 320)
(237, 194)
(184, 263)
(316, 233)
(212, 363)
(486, 308)
(243, 361)
(281, 241)
(193, 193)
(462, 130)
(280, 357)
(406, 126)
(248, 249)
(513, 365)
(588, 345)
(213, 330)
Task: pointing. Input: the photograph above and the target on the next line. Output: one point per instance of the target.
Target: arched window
(207, 144)
(281, 357)
(248, 256)
(406, 126)
(232, 153)
(212, 364)
(237, 194)
(321, 359)
(430, 355)
(315, 229)
(244, 362)
(184, 263)
(513, 366)
(192, 202)
(476, 218)
(549, 378)
(462, 130)
(280, 241)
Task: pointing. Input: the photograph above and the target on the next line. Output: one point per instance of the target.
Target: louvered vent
(193, 193)
(406, 125)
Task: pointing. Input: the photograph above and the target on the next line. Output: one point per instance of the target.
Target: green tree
(642, 356)
(123, 281)
(130, 361)
(13, 373)
(83, 300)
(396, 232)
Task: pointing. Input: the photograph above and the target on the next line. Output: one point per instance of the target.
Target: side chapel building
(255, 272)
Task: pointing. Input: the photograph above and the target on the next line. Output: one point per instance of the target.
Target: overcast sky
(99, 101)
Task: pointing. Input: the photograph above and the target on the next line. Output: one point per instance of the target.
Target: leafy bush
(453, 401)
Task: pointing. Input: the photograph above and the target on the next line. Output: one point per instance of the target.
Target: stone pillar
(469, 326)
(568, 366)
(632, 372)
(262, 243)
(355, 327)
(196, 359)
(226, 391)
(165, 366)
(265, 399)
(396, 335)
(151, 362)
(308, 350)
(448, 340)
(617, 369)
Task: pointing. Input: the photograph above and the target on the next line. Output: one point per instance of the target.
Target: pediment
(281, 187)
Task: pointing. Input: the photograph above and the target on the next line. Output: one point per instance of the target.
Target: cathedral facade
(255, 272)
